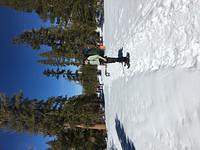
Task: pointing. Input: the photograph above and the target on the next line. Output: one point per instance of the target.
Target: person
(93, 51)
(97, 60)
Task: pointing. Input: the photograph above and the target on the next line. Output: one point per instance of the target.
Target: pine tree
(77, 111)
(62, 11)
(75, 76)
(53, 73)
(72, 120)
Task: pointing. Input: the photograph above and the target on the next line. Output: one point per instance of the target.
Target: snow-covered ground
(155, 104)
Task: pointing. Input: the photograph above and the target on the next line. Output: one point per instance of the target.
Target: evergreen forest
(77, 122)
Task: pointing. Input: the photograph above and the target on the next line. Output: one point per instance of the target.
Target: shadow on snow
(126, 143)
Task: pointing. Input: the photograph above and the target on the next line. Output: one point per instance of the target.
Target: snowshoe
(128, 60)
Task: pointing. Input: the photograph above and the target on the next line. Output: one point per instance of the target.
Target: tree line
(73, 120)
(69, 119)
(73, 28)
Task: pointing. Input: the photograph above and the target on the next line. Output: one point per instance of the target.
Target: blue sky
(18, 141)
(20, 71)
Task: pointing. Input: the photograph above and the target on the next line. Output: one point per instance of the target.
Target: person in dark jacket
(93, 51)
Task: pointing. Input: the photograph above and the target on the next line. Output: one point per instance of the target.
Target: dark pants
(113, 60)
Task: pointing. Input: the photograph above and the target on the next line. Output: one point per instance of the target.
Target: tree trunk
(94, 127)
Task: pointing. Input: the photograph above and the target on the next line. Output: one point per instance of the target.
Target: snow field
(167, 37)
(155, 114)
(157, 100)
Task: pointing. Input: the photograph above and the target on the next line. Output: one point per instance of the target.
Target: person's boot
(127, 61)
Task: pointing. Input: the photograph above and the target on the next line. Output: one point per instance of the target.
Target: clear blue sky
(20, 71)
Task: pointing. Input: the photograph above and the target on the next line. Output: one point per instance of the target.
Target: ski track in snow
(157, 99)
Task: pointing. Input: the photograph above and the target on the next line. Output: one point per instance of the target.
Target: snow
(157, 100)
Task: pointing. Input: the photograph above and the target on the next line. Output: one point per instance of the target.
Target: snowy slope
(156, 101)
